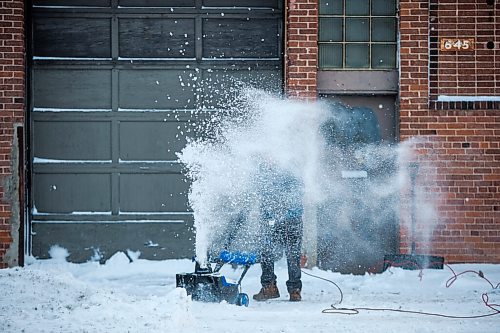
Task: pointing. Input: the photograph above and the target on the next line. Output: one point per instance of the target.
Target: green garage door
(116, 86)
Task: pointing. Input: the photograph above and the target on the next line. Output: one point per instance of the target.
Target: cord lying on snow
(355, 310)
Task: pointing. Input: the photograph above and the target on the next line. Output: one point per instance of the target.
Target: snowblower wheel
(242, 299)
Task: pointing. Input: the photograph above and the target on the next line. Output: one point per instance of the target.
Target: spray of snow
(421, 205)
(223, 168)
(351, 180)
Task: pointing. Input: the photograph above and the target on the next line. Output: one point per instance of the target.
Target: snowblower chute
(209, 285)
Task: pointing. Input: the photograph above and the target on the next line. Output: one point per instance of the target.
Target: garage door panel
(241, 3)
(157, 38)
(157, 3)
(218, 80)
(145, 193)
(89, 3)
(152, 141)
(241, 38)
(72, 193)
(157, 89)
(72, 88)
(72, 140)
(72, 37)
(164, 239)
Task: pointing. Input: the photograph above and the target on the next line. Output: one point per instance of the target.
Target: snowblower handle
(238, 258)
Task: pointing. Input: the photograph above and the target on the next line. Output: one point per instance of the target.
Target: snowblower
(209, 285)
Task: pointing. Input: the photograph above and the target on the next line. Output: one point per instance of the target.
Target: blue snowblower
(209, 285)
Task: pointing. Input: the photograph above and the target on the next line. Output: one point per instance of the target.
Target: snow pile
(58, 253)
(140, 296)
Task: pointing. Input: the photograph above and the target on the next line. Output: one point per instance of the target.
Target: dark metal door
(117, 86)
(359, 224)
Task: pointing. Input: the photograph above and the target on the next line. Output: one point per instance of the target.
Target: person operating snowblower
(280, 195)
(276, 195)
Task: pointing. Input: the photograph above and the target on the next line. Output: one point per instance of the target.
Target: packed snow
(141, 296)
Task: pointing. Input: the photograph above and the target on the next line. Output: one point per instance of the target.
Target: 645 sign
(457, 44)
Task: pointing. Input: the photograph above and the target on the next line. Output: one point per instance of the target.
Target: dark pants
(288, 235)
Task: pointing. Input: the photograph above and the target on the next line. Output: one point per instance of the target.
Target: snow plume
(353, 182)
(223, 169)
(420, 192)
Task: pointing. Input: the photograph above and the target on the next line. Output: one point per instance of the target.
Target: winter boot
(295, 295)
(269, 291)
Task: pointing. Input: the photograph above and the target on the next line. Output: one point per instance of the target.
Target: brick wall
(459, 144)
(466, 73)
(12, 94)
(301, 48)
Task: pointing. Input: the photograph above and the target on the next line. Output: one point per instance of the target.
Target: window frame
(343, 16)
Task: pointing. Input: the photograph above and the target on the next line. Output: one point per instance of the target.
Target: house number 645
(454, 44)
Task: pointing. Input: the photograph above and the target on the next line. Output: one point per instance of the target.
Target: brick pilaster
(301, 55)
(12, 105)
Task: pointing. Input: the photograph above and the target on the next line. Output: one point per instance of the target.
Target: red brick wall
(414, 62)
(466, 147)
(301, 48)
(466, 73)
(460, 145)
(12, 94)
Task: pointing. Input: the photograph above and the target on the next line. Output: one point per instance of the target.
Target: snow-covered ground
(140, 296)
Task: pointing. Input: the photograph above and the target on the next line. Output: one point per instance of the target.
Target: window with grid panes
(357, 34)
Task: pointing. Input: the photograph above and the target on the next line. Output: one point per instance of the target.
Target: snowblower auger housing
(207, 285)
